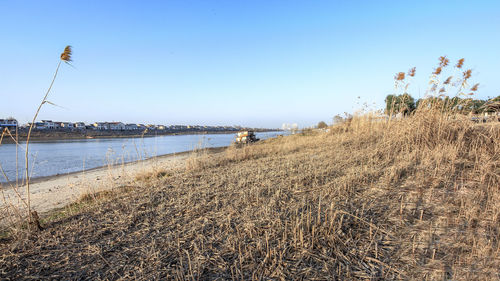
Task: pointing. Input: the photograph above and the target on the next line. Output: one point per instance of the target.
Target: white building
(8, 123)
(101, 125)
(116, 126)
(38, 125)
(67, 125)
(131, 127)
(79, 125)
(48, 124)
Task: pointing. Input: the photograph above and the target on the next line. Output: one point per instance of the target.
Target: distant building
(39, 126)
(10, 123)
(48, 124)
(131, 127)
(151, 127)
(116, 126)
(101, 126)
(67, 125)
(79, 125)
(57, 125)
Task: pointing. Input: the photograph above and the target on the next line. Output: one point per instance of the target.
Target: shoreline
(40, 136)
(57, 191)
(7, 185)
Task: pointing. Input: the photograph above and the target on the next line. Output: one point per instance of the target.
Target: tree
(337, 119)
(322, 125)
(399, 104)
(390, 100)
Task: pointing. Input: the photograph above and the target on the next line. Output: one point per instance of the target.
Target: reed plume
(399, 76)
(467, 74)
(475, 87)
(438, 70)
(443, 61)
(412, 71)
(66, 55)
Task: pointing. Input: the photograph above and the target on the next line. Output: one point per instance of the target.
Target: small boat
(246, 137)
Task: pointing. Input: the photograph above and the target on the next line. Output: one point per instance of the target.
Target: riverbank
(415, 199)
(61, 157)
(52, 192)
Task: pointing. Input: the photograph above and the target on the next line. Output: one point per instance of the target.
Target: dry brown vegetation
(415, 199)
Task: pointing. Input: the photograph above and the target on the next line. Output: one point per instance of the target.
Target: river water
(67, 156)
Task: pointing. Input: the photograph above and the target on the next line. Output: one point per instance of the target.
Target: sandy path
(59, 191)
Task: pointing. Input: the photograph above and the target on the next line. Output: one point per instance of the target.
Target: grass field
(416, 198)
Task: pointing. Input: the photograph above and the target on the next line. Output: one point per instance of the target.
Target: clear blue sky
(252, 63)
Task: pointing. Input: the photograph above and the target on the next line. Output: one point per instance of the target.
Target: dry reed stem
(66, 57)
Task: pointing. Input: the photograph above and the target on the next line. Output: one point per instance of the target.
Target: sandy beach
(54, 192)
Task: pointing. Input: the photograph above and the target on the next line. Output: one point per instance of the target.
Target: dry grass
(411, 199)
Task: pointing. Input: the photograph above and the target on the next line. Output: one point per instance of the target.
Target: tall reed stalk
(65, 57)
